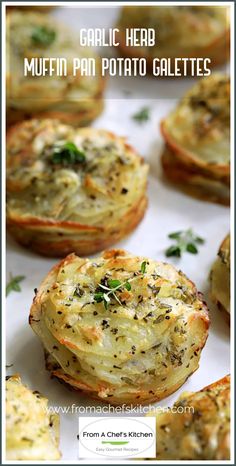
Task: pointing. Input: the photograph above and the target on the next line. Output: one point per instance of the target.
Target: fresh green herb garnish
(13, 284)
(43, 36)
(105, 293)
(127, 286)
(186, 241)
(142, 116)
(143, 267)
(68, 154)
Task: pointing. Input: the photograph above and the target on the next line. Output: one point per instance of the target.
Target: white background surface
(169, 210)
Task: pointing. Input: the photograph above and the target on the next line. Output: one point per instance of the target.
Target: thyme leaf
(173, 251)
(127, 286)
(13, 284)
(186, 241)
(142, 116)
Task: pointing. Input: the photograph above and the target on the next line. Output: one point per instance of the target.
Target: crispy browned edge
(221, 382)
(65, 246)
(225, 313)
(218, 52)
(180, 175)
(144, 397)
(76, 119)
(80, 247)
(188, 158)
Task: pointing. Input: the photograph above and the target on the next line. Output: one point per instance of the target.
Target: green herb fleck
(114, 283)
(13, 284)
(68, 154)
(142, 116)
(186, 241)
(175, 235)
(127, 286)
(173, 251)
(98, 297)
(143, 267)
(191, 248)
(78, 292)
(43, 36)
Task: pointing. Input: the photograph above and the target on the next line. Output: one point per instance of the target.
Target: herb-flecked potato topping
(72, 98)
(197, 135)
(199, 128)
(198, 427)
(72, 190)
(31, 432)
(180, 31)
(120, 327)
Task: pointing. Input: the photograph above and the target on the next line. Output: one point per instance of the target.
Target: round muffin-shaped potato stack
(72, 190)
(181, 32)
(121, 328)
(197, 136)
(198, 427)
(31, 432)
(75, 100)
(220, 277)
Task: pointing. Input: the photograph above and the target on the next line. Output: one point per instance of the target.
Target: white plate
(169, 210)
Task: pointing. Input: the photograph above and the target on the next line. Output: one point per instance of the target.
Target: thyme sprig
(105, 292)
(13, 284)
(186, 241)
(142, 115)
